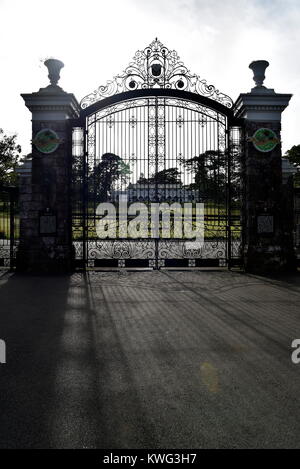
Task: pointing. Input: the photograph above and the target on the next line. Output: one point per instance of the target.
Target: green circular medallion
(265, 140)
(46, 141)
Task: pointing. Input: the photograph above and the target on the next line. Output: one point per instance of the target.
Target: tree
(165, 176)
(110, 170)
(293, 155)
(142, 179)
(209, 171)
(9, 158)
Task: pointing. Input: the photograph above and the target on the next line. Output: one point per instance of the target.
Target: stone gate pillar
(268, 238)
(45, 212)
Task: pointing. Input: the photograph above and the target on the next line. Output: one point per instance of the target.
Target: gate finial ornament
(156, 67)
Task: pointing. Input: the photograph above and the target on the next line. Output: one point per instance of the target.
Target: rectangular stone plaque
(265, 224)
(47, 224)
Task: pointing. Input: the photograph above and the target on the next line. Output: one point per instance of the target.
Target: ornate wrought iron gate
(156, 134)
(9, 226)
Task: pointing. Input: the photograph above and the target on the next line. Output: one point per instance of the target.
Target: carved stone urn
(258, 67)
(54, 66)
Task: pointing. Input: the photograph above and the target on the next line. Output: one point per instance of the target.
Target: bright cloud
(97, 38)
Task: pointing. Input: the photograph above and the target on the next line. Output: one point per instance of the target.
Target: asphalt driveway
(157, 359)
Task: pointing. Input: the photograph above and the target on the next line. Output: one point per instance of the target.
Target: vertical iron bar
(11, 226)
(228, 228)
(156, 171)
(84, 195)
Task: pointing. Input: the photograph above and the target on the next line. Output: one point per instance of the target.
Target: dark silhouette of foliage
(110, 170)
(209, 171)
(293, 155)
(165, 176)
(9, 158)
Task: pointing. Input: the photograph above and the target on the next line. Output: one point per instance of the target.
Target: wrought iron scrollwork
(156, 67)
(145, 249)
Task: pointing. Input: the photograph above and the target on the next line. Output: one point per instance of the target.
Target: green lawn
(5, 226)
(214, 224)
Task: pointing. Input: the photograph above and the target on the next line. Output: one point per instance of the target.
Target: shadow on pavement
(58, 388)
(31, 322)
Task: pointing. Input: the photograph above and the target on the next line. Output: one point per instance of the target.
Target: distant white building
(162, 192)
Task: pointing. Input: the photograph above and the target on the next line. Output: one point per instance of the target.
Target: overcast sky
(96, 39)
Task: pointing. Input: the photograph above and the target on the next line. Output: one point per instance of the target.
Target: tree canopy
(9, 158)
(293, 155)
(110, 170)
(165, 176)
(209, 173)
